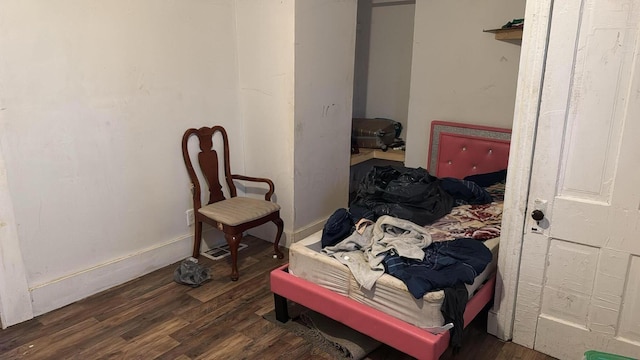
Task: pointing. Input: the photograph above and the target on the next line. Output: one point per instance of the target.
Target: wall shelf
(507, 34)
(368, 154)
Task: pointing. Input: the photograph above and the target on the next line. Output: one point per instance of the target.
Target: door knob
(537, 215)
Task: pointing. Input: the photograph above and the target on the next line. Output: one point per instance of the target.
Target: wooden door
(579, 282)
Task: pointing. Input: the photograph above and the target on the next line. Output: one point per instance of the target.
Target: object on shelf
(515, 23)
(512, 30)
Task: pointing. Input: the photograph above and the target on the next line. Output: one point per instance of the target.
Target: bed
(388, 312)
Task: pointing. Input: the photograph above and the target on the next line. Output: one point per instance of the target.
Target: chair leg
(197, 238)
(276, 248)
(234, 241)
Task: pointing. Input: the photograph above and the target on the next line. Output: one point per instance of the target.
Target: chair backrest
(208, 161)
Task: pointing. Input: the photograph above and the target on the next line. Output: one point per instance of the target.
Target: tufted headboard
(458, 150)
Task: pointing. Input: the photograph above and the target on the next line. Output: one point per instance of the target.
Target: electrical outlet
(190, 217)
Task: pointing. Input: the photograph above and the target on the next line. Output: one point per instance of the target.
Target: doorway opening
(381, 84)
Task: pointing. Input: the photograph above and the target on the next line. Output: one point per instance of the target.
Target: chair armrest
(267, 196)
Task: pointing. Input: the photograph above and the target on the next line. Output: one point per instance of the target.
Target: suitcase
(375, 133)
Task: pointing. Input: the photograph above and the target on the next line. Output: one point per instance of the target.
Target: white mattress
(389, 295)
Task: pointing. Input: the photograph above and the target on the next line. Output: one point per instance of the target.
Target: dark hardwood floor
(154, 317)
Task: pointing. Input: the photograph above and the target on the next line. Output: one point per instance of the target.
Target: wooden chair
(232, 216)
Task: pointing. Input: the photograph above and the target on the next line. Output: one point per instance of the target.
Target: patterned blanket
(480, 222)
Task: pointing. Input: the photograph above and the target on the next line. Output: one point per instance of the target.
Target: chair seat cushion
(238, 210)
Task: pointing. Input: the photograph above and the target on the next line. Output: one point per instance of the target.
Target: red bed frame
(456, 150)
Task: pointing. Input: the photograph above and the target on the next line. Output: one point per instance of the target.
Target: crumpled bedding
(397, 244)
(365, 249)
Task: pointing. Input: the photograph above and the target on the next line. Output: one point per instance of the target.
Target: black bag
(406, 193)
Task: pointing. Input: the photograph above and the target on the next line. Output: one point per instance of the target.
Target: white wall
(285, 74)
(324, 58)
(460, 73)
(95, 97)
(15, 300)
(266, 87)
(361, 61)
(389, 74)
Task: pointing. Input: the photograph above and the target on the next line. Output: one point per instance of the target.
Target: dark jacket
(445, 264)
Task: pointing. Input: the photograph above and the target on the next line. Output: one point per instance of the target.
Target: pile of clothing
(383, 229)
(404, 249)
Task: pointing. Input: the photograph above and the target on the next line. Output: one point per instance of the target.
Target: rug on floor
(330, 336)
